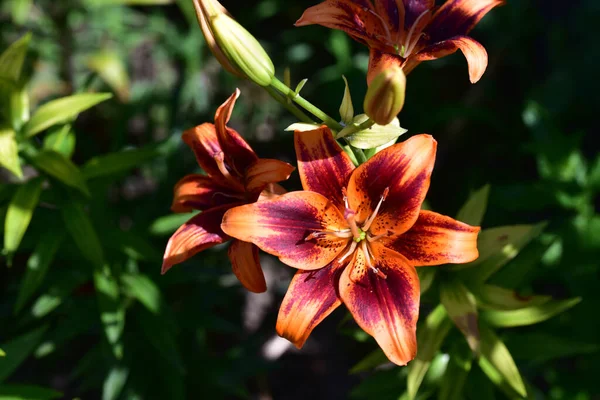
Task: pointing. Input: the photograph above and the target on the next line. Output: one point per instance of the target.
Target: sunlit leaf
(497, 363)
(143, 289)
(300, 86)
(168, 224)
(27, 392)
(61, 168)
(430, 335)
(61, 140)
(37, 265)
(529, 315)
(473, 210)
(375, 136)
(114, 383)
(19, 106)
(61, 110)
(117, 162)
(9, 153)
(346, 108)
(19, 214)
(498, 298)
(2, 353)
(302, 127)
(110, 67)
(82, 231)
(18, 350)
(20, 10)
(455, 376)
(112, 312)
(11, 60)
(461, 306)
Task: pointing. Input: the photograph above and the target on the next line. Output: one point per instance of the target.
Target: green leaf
(11, 60)
(112, 313)
(374, 359)
(131, 244)
(159, 333)
(19, 214)
(426, 277)
(498, 298)
(529, 315)
(541, 347)
(114, 383)
(430, 336)
(300, 86)
(455, 377)
(37, 265)
(2, 353)
(61, 140)
(82, 231)
(61, 110)
(168, 224)
(27, 392)
(59, 291)
(461, 306)
(18, 350)
(60, 167)
(346, 108)
(117, 162)
(143, 289)
(375, 136)
(497, 363)
(19, 106)
(127, 2)
(9, 152)
(497, 246)
(473, 210)
(301, 127)
(20, 10)
(110, 67)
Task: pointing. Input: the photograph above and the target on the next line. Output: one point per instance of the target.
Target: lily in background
(235, 176)
(356, 236)
(405, 32)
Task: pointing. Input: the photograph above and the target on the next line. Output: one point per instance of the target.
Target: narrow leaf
(61, 110)
(61, 140)
(27, 392)
(2, 353)
(20, 11)
(143, 289)
(112, 313)
(375, 136)
(168, 224)
(455, 377)
(346, 108)
(529, 315)
(37, 265)
(430, 336)
(498, 298)
(9, 152)
(495, 354)
(19, 214)
(114, 383)
(473, 210)
(541, 347)
(61, 168)
(117, 162)
(58, 292)
(18, 350)
(82, 231)
(461, 306)
(11, 60)
(110, 67)
(374, 359)
(300, 86)
(159, 334)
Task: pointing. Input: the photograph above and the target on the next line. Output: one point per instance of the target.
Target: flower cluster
(356, 232)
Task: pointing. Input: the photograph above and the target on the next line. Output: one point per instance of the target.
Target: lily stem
(308, 106)
(288, 105)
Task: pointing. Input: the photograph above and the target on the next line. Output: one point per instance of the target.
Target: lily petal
(199, 233)
(380, 61)
(355, 17)
(238, 154)
(282, 225)
(265, 171)
(385, 308)
(310, 298)
(246, 265)
(199, 192)
(473, 51)
(458, 17)
(392, 12)
(203, 140)
(323, 166)
(271, 191)
(436, 239)
(405, 170)
(414, 9)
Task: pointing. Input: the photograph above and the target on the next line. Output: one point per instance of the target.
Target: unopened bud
(385, 96)
(233, 46)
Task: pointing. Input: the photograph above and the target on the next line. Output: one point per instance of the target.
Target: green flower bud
(385, 96)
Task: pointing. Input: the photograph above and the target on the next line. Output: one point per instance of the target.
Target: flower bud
(385, 96)
(233, 46)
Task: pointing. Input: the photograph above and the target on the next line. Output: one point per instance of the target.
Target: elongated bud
(233, 46)
(385, 96)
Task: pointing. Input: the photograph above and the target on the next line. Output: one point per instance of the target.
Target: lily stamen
(388, 34)
(408, 45)
(349, 252)
(366, 252)
(372, 239)
(345, 234)
(370, 220)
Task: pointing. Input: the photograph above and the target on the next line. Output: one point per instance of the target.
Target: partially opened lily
(235, 176)
(406, 32)
(356, 236)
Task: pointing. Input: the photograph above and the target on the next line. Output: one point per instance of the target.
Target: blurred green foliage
(94, 95)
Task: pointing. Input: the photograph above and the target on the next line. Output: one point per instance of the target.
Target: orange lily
(235, 176)
(406, 32)
(356, 236)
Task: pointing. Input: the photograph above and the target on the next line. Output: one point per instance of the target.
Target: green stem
(308, 106)
(288, 106)
(359, 154)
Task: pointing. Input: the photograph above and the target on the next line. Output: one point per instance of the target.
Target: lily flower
(235, 176)
(356, 236)
(406, 32)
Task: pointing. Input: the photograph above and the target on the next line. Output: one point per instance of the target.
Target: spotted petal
(323, 166)
(199, 192)
(310, 298)
(282, 226)
(246, 265)
(203, 141)
(385, 308)
(473, 51)
(199, 233)
(405, 170)
(458, 17)
(436, 239)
